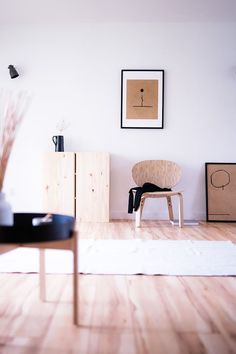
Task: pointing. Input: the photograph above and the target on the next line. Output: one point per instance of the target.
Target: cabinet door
(59, 183)
(92, 186)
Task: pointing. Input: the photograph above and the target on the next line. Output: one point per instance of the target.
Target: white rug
(163, 257)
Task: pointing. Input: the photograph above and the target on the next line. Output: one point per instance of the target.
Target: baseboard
(150, 216)
(186, 222)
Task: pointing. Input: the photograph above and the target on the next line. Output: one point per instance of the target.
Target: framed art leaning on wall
(220, 191)
(142, 99)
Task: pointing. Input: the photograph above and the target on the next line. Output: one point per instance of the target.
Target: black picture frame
(220, 181)
(142, 99)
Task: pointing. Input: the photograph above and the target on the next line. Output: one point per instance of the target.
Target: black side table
(59, 233)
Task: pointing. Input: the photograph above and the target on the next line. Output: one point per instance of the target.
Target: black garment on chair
(147, 187)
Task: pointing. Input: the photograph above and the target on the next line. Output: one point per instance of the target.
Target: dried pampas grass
(12, 110)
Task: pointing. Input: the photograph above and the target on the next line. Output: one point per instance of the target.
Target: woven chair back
(163, 173)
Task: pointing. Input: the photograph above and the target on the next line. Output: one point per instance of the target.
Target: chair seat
(160, 194)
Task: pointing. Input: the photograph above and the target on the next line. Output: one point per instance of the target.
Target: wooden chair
(163, 173)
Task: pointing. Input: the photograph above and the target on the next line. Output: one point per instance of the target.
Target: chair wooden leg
(181, 210)
(138, 217)
(138, 214)
(75, 280)
(170, 208)
(42, 275)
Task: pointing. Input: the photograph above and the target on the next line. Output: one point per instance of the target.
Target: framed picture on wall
(220, 191)
(142, 99)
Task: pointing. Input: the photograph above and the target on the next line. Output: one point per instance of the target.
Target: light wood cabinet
(59, 182)
(77, 184)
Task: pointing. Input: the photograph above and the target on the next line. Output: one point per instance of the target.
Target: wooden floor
(123, 314)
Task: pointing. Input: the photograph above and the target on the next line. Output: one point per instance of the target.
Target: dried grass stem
(11, 116)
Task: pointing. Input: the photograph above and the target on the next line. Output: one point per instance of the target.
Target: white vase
(6, 214)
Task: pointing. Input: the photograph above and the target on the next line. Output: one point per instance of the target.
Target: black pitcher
(58, 142)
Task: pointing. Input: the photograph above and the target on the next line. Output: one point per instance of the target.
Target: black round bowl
(23, 230)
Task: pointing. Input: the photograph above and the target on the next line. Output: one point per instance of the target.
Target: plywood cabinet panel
(59, 183)
(92, 186)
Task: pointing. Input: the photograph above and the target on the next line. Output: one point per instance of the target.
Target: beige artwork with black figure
(142, 98)
(160, 176)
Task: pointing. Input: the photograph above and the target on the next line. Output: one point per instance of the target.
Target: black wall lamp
(12, 71)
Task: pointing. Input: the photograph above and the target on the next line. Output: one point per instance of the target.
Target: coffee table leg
(75, 279)
(42, 274)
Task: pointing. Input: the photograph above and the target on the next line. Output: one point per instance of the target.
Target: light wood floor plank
(123, 314)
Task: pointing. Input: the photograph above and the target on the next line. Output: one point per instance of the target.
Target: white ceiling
(75, 11)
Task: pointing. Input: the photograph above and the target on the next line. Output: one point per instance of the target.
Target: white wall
(73, 72)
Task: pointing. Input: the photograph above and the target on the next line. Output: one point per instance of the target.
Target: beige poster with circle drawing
(142, 99)
(221, 192)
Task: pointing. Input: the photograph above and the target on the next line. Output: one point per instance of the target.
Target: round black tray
(23, 230)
